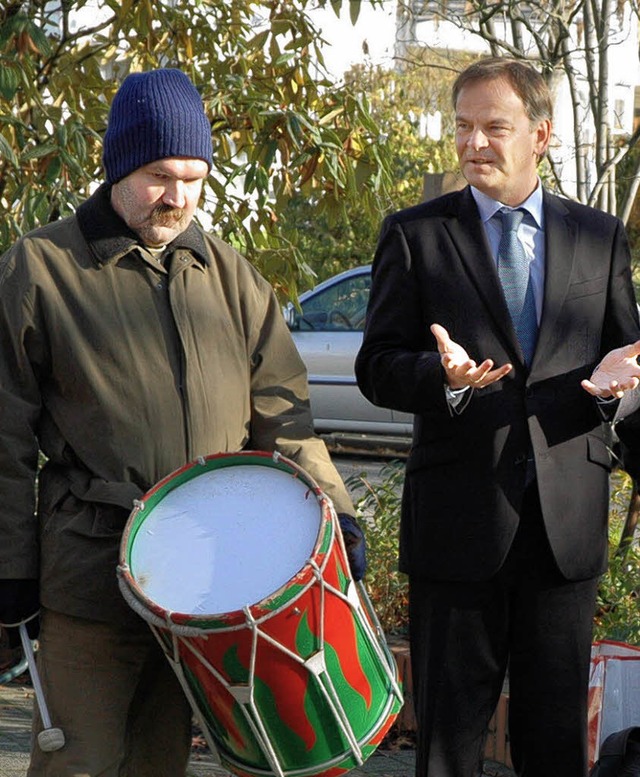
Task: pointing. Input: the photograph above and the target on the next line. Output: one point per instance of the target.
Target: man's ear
(543, 137)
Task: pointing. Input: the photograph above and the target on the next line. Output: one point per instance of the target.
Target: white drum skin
(225, 539)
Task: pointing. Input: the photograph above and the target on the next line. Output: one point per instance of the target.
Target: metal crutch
(49, 739)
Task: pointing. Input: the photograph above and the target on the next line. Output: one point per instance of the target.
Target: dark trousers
(464, 636)
(116, 698)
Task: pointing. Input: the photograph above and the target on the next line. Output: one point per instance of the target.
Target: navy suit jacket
(466, 473)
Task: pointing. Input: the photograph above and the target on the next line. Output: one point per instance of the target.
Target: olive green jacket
(120, 371)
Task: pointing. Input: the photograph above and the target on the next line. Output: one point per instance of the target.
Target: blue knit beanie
(155, 115)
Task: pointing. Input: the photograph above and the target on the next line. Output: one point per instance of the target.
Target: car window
(342, 306)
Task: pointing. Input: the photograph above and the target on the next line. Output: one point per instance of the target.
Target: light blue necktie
(513, 269)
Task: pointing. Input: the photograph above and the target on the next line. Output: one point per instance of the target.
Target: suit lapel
(468, 235)
(560, 246)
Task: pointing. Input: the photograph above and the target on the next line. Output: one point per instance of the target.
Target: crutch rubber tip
(50, 739)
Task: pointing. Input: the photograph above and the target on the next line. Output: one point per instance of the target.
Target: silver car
(328, 335)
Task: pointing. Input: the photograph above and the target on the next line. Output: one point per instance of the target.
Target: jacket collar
(109, 238)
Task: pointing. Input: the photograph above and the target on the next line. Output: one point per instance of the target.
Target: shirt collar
(109, 238)
(488, 207)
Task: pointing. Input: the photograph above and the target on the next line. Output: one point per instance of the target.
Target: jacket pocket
(587, 288)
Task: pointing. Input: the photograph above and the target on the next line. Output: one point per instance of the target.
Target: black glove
(19, 600)
(355, 545)
(631, 762)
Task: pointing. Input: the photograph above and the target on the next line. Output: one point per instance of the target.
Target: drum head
(226, 538)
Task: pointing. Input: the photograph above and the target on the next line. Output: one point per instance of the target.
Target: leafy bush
(618, 609)
(378, 511)
(282, 127)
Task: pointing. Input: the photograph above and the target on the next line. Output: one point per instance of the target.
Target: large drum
(237, 563)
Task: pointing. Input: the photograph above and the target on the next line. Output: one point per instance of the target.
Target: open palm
(618, 372)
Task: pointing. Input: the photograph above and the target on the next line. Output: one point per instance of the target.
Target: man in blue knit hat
(132, 342)
(157, 132)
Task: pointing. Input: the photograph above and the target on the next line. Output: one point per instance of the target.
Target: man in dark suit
(504, 520)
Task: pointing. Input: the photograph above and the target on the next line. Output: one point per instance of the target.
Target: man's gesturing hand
(461, 371)
(618, 372)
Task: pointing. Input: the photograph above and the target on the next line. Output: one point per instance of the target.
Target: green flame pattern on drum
(292, 705)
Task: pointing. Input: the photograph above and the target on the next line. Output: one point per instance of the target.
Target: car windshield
(342, 306)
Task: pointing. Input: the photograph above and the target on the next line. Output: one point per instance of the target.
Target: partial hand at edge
(460, 369)
(617, 373)
(354, 544)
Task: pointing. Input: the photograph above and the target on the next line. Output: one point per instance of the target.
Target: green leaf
(9, 81)
(329, 117)
(249, 178)
(269, 154)
(7, 152)
(262, 179)
(39, 38)
(37, 152)
(72, 164)
(285, 58)
(53, 171)
(80, 143)
(260, 40)
(61, 133)
(13, 26)
(354, 10)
